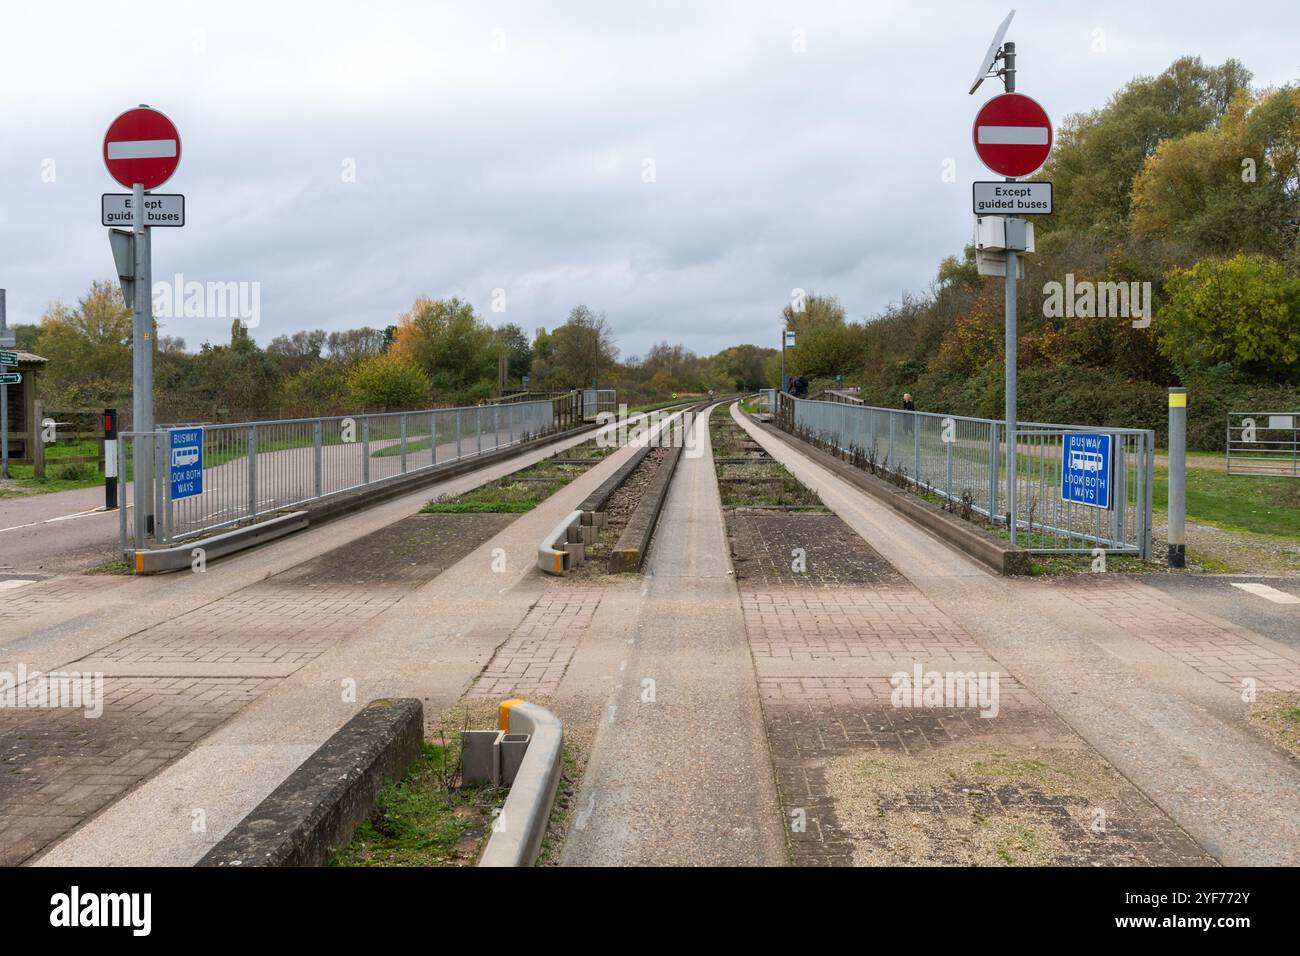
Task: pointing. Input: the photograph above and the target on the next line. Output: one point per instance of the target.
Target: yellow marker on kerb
(1177, 399)
(503, 714)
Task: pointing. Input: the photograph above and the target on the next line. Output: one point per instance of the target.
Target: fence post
(120, 451)
(478, 426)
(402, 423)
(36, 440)
(994, 460)
(161, 487)
(916, 441)
(252, 471)
(318, 465)
(889, 458)
(365, 449)
(948, 479)
(433, 438)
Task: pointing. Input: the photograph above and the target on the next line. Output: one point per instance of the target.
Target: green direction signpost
(8, 358)
(11, 378)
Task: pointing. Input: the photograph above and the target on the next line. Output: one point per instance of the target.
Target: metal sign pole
(4, 398)
(1009, 83)
(142, 373)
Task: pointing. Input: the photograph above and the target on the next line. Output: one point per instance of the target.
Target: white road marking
(33, 524)
(1268, 593)
(15, 583)
(142, 149)
(1013, 135)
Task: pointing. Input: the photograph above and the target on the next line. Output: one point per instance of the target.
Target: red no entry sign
(142, 146)
(1013, 135)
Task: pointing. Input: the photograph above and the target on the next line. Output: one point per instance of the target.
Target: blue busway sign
(185, 449)
(1085, 470)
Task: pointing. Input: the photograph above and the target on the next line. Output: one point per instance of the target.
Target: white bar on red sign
(1014, 135)
(142, 149)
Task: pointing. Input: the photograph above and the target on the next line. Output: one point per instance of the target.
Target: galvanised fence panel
(252, 470)
(1264, 443)
(963, 461)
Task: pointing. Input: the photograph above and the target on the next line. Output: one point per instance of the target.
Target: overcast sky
(504, 145)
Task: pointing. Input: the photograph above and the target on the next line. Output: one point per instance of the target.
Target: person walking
(908, 406)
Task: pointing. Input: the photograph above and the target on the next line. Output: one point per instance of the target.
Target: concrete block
(512, 750)
(480, 757)
(321, 804)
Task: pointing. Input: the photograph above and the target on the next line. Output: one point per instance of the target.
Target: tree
(351, 345)
(88, 348)
(299, 350)
(454, 348)
(577, 353)
(1243, 311)
(1098, 154)
(387, 382)
(519, 354)
(1231, 188)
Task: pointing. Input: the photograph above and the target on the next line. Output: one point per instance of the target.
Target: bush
(74, 471)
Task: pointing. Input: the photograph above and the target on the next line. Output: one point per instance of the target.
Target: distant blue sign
(185, 449)
(1085, 470)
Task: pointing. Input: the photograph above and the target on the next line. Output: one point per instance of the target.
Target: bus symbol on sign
(1085, 470)
(185, 449)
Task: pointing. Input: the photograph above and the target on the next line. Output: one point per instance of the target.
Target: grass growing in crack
(427, 818)
(515, 493)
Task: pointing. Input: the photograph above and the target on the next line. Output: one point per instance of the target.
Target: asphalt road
(1216, 595)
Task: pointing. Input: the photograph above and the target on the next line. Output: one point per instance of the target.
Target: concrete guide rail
(633, 543)
(319, 807)
(517, 834)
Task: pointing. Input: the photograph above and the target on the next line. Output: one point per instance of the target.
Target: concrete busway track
(685, 779)
(1178, 736)
(429, 645)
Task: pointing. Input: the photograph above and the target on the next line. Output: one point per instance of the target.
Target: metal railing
(963, 461)
(1263, 443)
(597, 400)
(253, 470)
(842, 397)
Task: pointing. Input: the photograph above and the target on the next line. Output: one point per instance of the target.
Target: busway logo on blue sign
(1085, 470)
(185, 449)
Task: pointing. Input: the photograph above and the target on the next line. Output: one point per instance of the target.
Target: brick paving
(533, 659)
(1219, 654)
(55, 592)
(863, 781)
(764, 546)
(58, 768)
(263, 624)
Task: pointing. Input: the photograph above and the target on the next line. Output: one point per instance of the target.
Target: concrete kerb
(557, 552)
(517, 834)
(182, 556)
(321, 804)
(980, 545)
